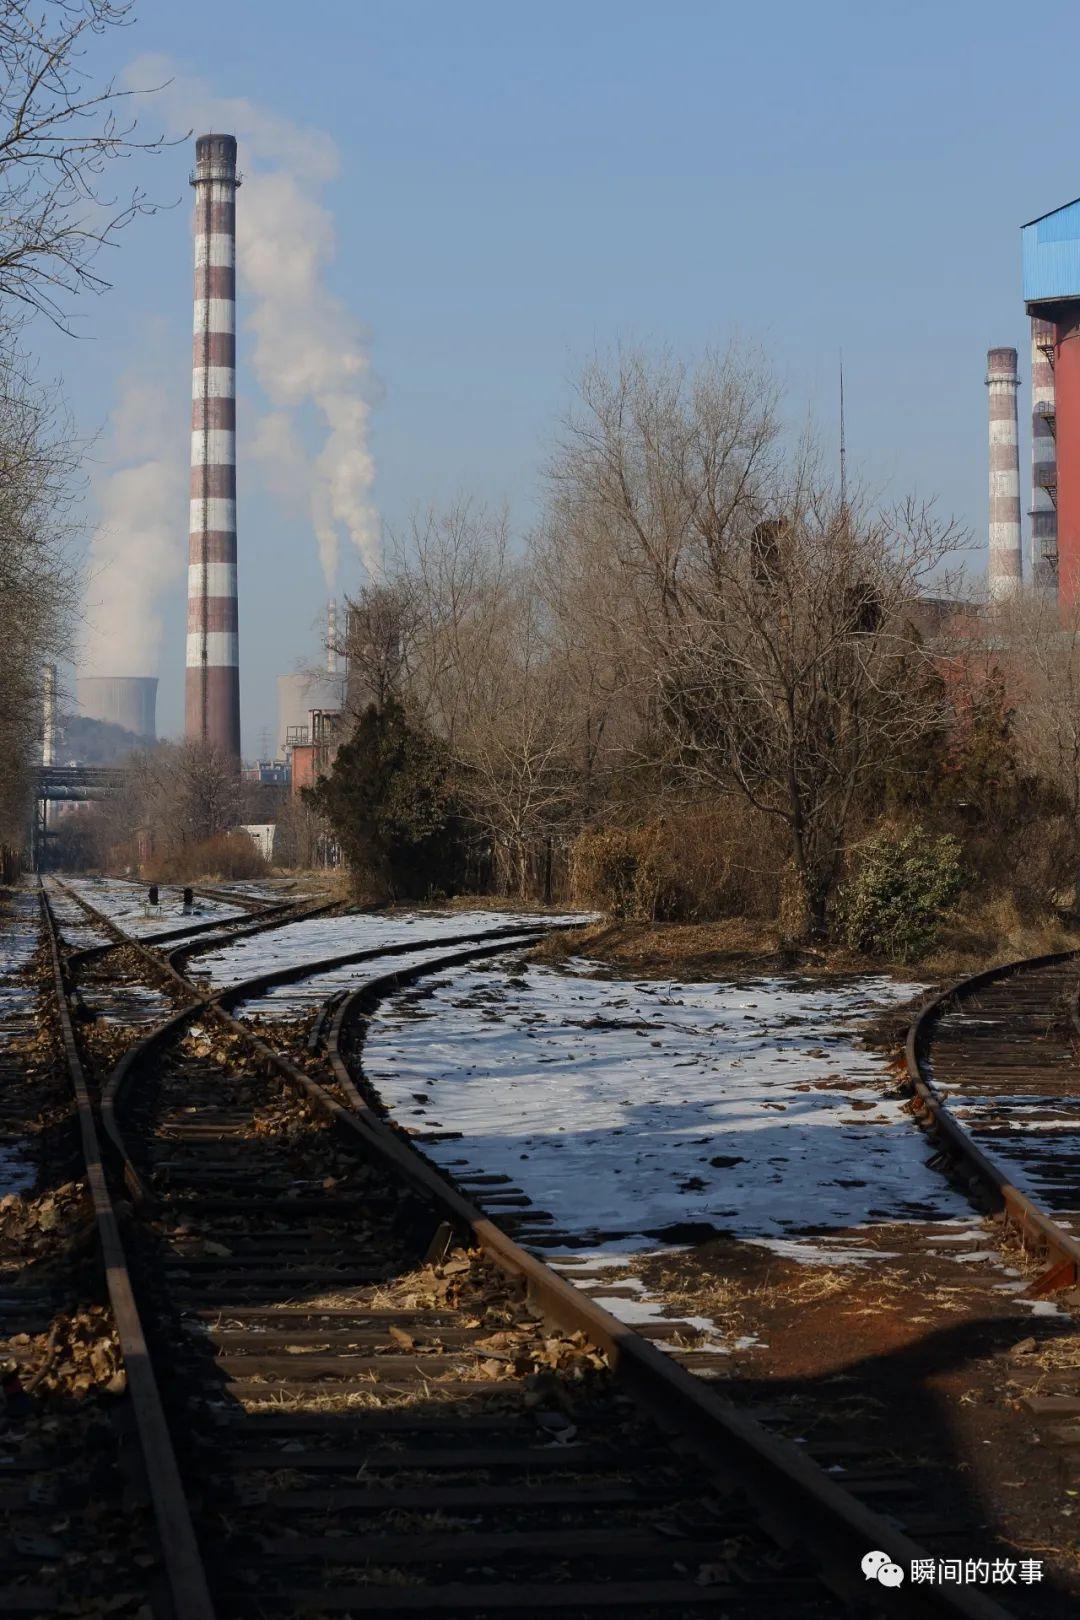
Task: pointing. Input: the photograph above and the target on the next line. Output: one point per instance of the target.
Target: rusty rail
(791, 1495)
(792, 1498)
(1020, 1210)
(180, 1551)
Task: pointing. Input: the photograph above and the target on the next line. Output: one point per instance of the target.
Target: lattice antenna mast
(843, 442)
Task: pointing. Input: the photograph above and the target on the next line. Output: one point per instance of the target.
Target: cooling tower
(122, 700)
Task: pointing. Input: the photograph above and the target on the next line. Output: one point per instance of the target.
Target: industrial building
(298, 697)
(1050, 259)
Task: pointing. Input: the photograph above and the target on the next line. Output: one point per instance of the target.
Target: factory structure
(1050, 271)
(212, 685)
(309, 703)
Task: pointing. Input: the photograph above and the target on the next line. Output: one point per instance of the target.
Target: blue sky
(520, 184)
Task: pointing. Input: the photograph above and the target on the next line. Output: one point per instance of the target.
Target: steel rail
(200, 936)
(793, 1498)
(928, 1106)
(217, 1006)
(180, 1552)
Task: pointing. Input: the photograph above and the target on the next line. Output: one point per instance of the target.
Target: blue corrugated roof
(1050, 255)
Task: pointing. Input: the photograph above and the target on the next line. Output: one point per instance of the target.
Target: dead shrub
(603, 868)
(1042, 865)
(691, 865)
(226, 855)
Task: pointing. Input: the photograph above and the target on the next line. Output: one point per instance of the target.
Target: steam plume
(310, 356)
(140, 544)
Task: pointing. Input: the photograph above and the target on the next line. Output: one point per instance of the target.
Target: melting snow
(637, 1108)
(20, 927)
(125, 904)
(290, 1000)
(333, 936)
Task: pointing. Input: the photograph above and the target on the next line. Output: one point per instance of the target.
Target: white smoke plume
(140, 544)
(309, 355)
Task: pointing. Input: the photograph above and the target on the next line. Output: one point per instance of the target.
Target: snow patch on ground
(124, 904)
(318, 937)
(20, 931)
(816, 1251)
(74, 925)
(286, 1001)
(629, 1107)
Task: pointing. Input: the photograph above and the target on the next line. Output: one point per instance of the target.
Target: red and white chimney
(331, 638)
(1006, 555)
(212, 692)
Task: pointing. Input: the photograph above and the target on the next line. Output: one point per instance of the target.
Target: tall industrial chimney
(48, 726)
(331, 637)
(1005, 548)
(1044, 567)
(212, 697)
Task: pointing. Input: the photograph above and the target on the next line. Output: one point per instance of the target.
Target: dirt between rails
(922, 1357)
(74, 1523)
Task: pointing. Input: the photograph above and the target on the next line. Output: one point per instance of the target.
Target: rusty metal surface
(183, 1561)
(982, 1053)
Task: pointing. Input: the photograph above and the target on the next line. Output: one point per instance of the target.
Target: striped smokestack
(212, 702)
(1044, 569)
(48, 728)
(1005, 549)
(331, 637)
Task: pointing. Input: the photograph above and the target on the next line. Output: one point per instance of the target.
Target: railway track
(358, 1395)
(993, 1067)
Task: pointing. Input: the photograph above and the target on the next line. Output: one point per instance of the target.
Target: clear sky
(520, 183)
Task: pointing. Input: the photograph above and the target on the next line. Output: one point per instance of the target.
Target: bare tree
(460, 634)
(198, 791)
(37, 578)
(59, 133)
(182, 793)
(381, 624)
(729, 611)
(513, 750)
(659, 465)
(800, 675)
(1037, 646)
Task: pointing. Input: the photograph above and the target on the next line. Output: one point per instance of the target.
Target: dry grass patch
(670, 950)
(991, 932)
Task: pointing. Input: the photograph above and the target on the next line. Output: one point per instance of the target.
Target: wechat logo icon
(878, 1566)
